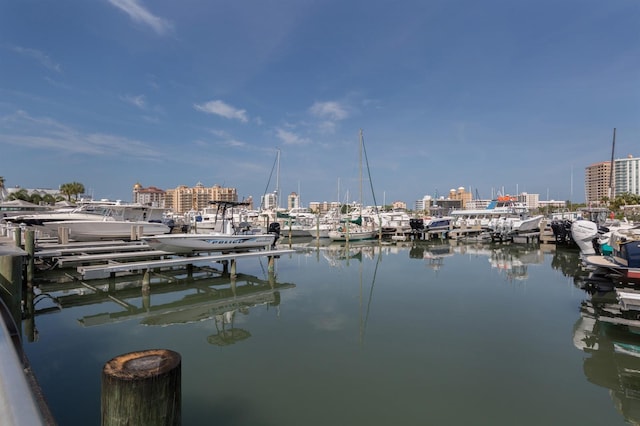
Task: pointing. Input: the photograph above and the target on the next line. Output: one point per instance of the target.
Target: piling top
(142, 364)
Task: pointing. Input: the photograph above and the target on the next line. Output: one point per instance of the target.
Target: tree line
(69, 191)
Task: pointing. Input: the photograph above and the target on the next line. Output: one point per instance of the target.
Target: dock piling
(142, 388)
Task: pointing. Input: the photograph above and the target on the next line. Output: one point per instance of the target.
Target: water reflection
(182, 298)
(610, 336)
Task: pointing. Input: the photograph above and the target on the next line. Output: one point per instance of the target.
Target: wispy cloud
(329, 114)
(137, 101)
(222, 109)
(329, 110)
(24, 130)
(290, 138)
(39, 56)
(140, 14)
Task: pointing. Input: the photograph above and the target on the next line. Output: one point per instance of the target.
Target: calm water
(361, 335)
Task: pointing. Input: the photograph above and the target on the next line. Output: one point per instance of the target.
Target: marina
(486, 325)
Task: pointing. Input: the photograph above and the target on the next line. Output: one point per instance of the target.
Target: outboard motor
(584, 232)
(274, 228)
(416, 224)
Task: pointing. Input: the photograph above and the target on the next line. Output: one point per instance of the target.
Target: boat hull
(193, 243)
(89, 230)
(352, 236)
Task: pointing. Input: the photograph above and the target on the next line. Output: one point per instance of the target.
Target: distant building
(424, 203)
(399, 205)
(530, 200)
(150, 196)
(597, 180)
(460, 194)
(598, 183)
(323, 207)
(626, 176)
(552, 204)
(183, 198)
(293, 201)
(269, 201)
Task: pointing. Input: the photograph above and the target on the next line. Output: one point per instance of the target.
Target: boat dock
(97, 268)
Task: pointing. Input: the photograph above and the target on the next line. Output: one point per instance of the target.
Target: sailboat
(354, 230)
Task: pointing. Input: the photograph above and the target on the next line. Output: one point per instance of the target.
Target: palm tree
(72, 188)
(3, 192)
(21, 194)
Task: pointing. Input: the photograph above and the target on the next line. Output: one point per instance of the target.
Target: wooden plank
(103, 271)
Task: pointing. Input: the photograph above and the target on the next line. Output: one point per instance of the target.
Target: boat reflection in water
(611, 337)
(512, 260)
(192, 299)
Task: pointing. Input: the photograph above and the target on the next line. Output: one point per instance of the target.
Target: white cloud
(38, 56)
(329, 110)
(45, 133)
(222, 109)
(290, 138)
(138, 13)
(134, 100)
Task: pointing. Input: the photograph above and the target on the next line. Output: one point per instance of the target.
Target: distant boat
(353, 229)
(501, 207)
(12, 208)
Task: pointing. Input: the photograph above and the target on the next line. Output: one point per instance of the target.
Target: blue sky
(488, 95)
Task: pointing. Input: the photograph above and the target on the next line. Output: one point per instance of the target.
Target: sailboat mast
(613, 149)
(278, 181)
(360, 172)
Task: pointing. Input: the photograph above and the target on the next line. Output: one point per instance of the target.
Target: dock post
(142, 388)
(271, 265)
(63, 235)
(11, 280)
(29, 247)
(17, 236)
(233, 272)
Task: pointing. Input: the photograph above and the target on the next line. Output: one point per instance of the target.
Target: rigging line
(373, 282)
(373, 194)
(366, 160)
(270, 176)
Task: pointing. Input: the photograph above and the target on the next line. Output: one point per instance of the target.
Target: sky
(496, 96)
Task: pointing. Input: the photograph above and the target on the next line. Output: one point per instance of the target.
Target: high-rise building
(597, 180)
(626, 172)
(183, 198)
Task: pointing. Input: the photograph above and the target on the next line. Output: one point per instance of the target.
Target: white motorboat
(96, 230)
(214, 242)
(353, 232)
(120, 221)
(229, 238)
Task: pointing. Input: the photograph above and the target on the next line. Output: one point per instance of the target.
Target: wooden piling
(17, 236)
(142, 388)
(63, 235)
(12, 280)
(233, 272)
(29, 247)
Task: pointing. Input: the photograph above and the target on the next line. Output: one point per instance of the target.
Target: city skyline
(491, 98)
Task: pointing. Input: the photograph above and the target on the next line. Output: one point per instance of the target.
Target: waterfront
(420, 333)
